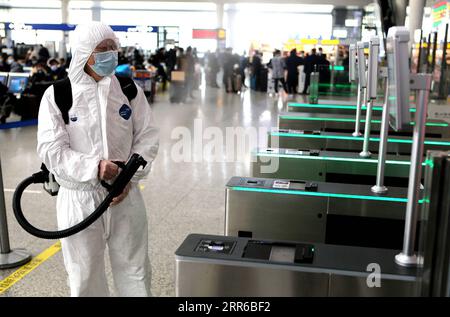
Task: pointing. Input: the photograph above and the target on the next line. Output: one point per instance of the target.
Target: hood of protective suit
(85, 39)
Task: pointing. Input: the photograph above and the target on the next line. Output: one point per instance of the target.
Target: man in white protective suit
(103, 126)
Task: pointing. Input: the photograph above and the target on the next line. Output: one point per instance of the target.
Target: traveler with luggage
(256, 67)
(310, 62)
(178, 89)
(213, 69)
(292, 64)
(243, 65)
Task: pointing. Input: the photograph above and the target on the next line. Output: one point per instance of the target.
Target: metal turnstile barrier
(286, 209)
(221, 266)
(297, 139)
(328, 166)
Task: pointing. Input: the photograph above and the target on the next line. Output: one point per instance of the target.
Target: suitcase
(263, 80)
(177, 92)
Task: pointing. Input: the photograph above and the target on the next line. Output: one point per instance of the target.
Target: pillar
(62, 50)
(96, 11)
(416, 8)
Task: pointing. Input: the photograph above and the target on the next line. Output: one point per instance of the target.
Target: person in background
(310, 62)
(324, 69)
(56, 71)
(5, 103)
(138, 59)
(190, 72)
(243, 64)
(292, 64)
(62, 63)
(156, 60)
(122, 59)
(278, 66)
(43, 54)
(40, 80)
(227, 64)
(181, 65)
(39, 73)
(197, 69)
(346, 59)
(235, 64)
(256, 69)
(320, 52)
(14, 66)
(213, 68)
(4, 66)
(171, 61)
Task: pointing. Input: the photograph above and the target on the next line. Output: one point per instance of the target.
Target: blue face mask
(105, 63)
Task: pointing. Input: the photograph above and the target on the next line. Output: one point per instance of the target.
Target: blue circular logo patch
(125, 112)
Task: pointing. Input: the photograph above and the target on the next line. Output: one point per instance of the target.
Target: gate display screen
(398, 78)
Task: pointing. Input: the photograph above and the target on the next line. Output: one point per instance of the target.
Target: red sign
(204, 34)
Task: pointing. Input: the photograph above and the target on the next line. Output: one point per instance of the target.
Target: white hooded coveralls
(97, 130)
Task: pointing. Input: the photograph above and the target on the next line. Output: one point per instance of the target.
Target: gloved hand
(117, 200)
(107, 170)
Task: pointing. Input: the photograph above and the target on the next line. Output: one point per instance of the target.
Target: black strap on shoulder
(63, 93)
(63, 97)
(128, 87)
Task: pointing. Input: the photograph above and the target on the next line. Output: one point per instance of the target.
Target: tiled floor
(181, 197)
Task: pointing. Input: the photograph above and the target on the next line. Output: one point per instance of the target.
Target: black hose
(116, 189)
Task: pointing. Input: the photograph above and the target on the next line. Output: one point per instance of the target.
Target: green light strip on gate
(305, 105)
(332, 158)
(337, 67)
(318, 119)
(351, 138)
(348, 107)
(316, 194)
(287, 117)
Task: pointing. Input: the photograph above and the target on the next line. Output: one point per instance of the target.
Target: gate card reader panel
(398, 77)
(325, 256)
(215, 246)
(279, 252)
(316, 189)
(330, 270)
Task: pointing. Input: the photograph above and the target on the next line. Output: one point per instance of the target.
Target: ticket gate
(219, 266)
(333, 213)
(351, 224)
(346, 124)
(242, 266)
(328, 166)
(333, 141)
